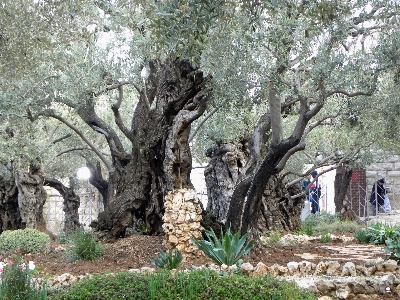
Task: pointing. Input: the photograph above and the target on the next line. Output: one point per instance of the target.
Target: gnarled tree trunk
(161, 160)
(276, 211)
(10, 218)
(342, 181)
(31, 197)
(70, 205)
(221, 175)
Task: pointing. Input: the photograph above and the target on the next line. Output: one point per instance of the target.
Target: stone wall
(182, 221)
(388, 168)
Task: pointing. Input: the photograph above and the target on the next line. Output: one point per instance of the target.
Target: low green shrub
(273, 238)
(326, 238)
(380, 233)
(363, 236)
(65, 238)
(228, 249)
(393, 247)
(194, 285)
(85, 247)
(28, 240)
(377, 233)
(16, 279)
(167, 260)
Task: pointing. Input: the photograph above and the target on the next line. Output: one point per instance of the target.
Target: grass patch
(198, 284)
(323, 223)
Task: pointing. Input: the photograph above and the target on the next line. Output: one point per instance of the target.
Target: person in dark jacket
(378, 195)
(315, 193)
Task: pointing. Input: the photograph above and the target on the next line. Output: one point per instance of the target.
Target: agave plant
(167, 260)
(228, 250)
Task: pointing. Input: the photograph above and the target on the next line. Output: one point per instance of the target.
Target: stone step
(392, 218)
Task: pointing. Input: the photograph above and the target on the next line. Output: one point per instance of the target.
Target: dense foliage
(324, 223)
(28, 240)
(199, 284)
(383, 234)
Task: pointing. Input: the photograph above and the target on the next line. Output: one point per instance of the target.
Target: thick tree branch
(201, 124)
(349, 94)
(51, 114)
(111, 87)
(117, 116)
(143, 96)
(89, 116)
(275, 114)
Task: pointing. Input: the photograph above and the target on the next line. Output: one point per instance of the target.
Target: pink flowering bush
(17, 278)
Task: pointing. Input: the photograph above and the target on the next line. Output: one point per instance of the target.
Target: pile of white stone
(182, 221)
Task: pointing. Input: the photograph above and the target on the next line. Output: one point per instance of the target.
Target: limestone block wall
(388, 168)
(182, 221)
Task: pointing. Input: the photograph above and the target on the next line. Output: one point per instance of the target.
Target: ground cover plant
(197, 284)
(228, 249)
(380, 233)
(323, 223)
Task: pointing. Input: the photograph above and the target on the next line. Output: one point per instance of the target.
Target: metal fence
(360, 200)
(91, 205)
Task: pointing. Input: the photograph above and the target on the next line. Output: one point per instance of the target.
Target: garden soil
(136, 251)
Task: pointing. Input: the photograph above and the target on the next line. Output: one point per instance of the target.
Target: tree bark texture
(342, 182)
(31, 197)
(70, 205)
(161, 160)
(276, 210)
(10, 218)
(227, 160)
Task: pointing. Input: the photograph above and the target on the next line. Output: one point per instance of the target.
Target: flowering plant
(17, 278)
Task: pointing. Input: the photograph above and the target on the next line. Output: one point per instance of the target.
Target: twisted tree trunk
(31, 197)
(342, 182)
(161, 160)
(70, 205)
(276, 211)
(221, 175)
(10, 218)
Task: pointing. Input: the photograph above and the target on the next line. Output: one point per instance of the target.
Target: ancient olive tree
(296, 65)
(309, 61)
(30, 35)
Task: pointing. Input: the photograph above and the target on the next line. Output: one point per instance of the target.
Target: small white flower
(31, 265)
